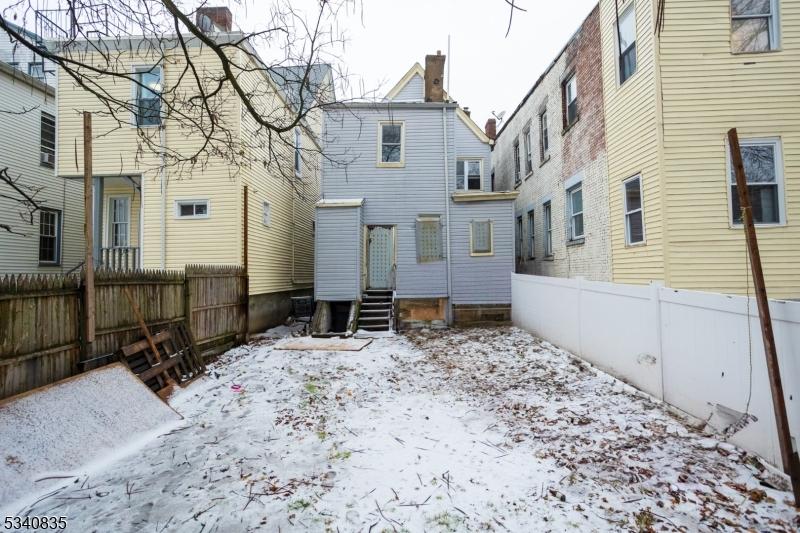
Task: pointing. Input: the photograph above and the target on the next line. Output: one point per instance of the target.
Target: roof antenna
(449, 60)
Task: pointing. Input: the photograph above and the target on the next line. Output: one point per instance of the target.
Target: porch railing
(121, 258)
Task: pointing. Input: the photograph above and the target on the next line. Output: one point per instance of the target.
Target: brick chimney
(434, 77)
(214, 19)
(491, 128)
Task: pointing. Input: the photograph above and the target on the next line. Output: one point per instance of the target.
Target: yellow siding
(632, 137)
(706, 91)
(281, 255)
(117, 150)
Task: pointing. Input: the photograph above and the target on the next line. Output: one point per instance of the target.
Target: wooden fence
(41, 316)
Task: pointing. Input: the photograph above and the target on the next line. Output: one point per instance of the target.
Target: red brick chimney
(214, 19)
(434, 77)
(491, 129)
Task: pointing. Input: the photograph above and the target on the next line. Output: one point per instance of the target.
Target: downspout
(447, 215)
(162, 133)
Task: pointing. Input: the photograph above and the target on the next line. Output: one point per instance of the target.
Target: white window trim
(136, 69)
(625, 212)
(435, 219)
(110, 232)
(774, 29)
(182, 201)
(298, 154)
(571, 215)
(572, 77)
(617, 64)
(491, 239)
(517, 164)
(544, 152)
(527, 143)
(461, 160)
(547, 227)
(402, 162)
(519, 245)
(775, 141)
(59, 239)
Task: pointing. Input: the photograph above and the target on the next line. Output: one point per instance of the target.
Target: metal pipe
(447, 215)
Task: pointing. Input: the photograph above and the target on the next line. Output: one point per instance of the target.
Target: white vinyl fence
(693, 350)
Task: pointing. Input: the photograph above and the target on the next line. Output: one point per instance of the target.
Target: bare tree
(24, 196)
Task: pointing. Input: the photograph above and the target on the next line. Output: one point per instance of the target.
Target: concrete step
(374, 327)
(384, 318)
(375, 312)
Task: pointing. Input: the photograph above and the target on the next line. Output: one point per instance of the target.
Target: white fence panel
(691, 349)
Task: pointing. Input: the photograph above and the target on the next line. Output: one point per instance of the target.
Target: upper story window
(391, 147)
(575, 209)
(49, 236)
(191, 208)
(298, 160)
(147, 96)
(47, 140)
(469, 174)
(754, 25)
(763, 169)
(570, 90)
(517, 178)
(626, 37)
(634, 216)
(36, 70)
(526, 135)
(544, 136)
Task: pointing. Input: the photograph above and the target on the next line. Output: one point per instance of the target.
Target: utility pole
(88, 233)
(791, 462)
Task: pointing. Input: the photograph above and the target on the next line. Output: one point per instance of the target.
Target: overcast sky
(489, 72)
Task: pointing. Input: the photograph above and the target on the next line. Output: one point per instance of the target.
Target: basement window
(191, 209)
(763, 170)
(754, 26)
(429, 239)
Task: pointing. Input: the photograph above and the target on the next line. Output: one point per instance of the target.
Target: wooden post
(88, 212)
(791, 463)
(246, 261)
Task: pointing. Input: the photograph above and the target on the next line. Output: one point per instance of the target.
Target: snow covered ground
(479, 429)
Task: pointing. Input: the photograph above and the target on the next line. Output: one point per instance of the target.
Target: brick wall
(578, 150)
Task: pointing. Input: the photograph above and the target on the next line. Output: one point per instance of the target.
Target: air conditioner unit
(48, 159)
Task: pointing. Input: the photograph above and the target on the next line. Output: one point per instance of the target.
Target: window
(36, 70)
(147, 96)
(548, 229)
(634, 216)
(763, 170)
(516, 162)
(468, 174)
(119, 215)
(570, 101)
(626, 42)
(528, 153)
(754, 25)
(531, 234)
(266, 215)
(390, 144)
(480, 237)
(429, 239)
(191, 209)
(49, 237)
(298, 160)
(575, 209)
(47, 140)
(520, 238)
(544, 136)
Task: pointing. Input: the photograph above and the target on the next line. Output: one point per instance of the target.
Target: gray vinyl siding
(483, 279)
(337, 259)
(14, 52)
(20, 152)
(469, 145)
(397, 196)
(413, 91)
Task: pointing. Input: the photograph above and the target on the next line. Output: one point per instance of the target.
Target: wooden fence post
(791, 463)
(187, 300)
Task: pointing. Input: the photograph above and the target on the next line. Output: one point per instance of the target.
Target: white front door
(380, 257)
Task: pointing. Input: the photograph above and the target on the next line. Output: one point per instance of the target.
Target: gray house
(409, 231)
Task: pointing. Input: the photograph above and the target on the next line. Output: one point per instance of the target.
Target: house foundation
(481, 314)
(272, 309)
(414, 313)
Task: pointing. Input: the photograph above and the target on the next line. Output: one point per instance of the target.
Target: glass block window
(429, 239)
(481, 237)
